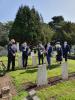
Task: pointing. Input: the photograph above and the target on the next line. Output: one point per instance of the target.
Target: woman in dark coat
(59, 52)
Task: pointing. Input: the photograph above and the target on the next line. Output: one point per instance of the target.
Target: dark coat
(49, 51)
(59, 54)
(24, 50)
(11, 49)
(40, 51)
(66, 50)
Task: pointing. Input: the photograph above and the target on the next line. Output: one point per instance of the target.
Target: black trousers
(41, 58)
(24, 60)
(65, 56)
(11, 59)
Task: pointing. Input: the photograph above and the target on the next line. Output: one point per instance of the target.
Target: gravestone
(64, 68)
(45, 61)
(42, 75)
(34, 62)
(18, 47)
(19, 56)
(3, 52)
(36, 98)
(20, 60)
(32, 92)
(72, 49)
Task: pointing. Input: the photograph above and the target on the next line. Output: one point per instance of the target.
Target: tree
(64, 31)
(57, 19)
(27, 26)
(4, 31)
(47, 33)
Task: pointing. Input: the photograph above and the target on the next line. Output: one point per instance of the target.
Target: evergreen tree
(27, 26)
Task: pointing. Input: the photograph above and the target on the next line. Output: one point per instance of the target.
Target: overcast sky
(47, 8)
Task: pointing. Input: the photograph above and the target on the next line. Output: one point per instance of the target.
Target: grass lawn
(61, 91)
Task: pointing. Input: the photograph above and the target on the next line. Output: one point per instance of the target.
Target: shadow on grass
(55, 66)
(29, 71)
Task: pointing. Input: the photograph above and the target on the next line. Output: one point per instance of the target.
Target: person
(59, 52)
(11, 54)
(25, 53)
(41, 53)
(65, 49)
(48, 54)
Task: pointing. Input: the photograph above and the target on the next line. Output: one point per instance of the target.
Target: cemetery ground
(23, 80)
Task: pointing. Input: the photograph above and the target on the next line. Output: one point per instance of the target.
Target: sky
(47, 8)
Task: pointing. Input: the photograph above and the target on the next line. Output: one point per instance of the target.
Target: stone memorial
(45, 61)
(18, 47)
(19, 56)
(42, 75)
(32, 92)
(64, 70)
(34, 62)
(20, 60)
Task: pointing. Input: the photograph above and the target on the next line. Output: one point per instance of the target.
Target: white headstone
(42, 75)
(20, 61)
(64, 70)
(45, 61)
(34, 61)
(18, 47)
(32, 92)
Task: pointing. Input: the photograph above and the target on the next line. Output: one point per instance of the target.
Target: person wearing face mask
(66, 49)
(24, 54)
(40, 53)
(48, 54)
(12, 49)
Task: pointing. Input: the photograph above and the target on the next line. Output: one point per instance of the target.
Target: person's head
(12, 41)
(58, 45)
(48, 44)
(65, 43)
(25, 44)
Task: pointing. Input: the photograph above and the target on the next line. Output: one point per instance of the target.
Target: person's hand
(68, 52)
(14, 54)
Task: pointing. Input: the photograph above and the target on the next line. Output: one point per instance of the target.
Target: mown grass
(61, 91)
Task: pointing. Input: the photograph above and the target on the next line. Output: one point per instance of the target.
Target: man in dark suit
(11, 54)
(48, 54)
(25, 53)
(66, 49)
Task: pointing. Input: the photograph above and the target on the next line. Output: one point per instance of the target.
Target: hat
(58, 43)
